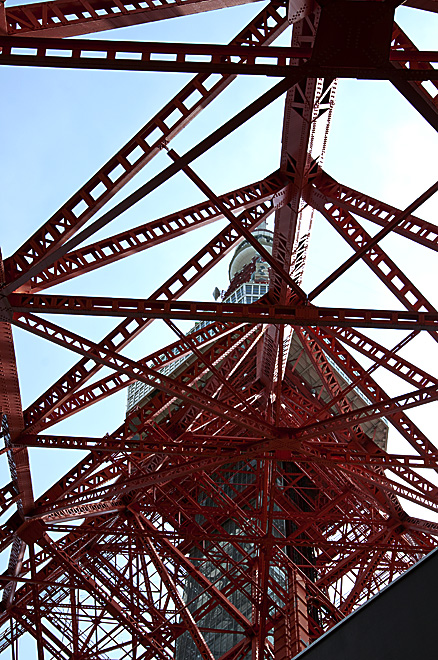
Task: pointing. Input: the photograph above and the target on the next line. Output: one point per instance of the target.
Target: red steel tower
(249, 500)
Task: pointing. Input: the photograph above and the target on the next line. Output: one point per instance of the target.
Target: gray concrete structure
(400, 623)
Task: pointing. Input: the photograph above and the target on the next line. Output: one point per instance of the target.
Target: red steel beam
(10, 399)
(105, 444)
(240, 227)
(149, 54)
(355, 333)
(36, 602)
(202, 534)
(86, 471)
(306, 316)
(365, 413)
(216, 373)
(376, 458)
(28, 619)
(319, 359)
(222, 356)
(427, 5)
(304, 106)
(339, 453)
(11, 414)
(138, 625)
(326, 374)
(234, 366)
(130, 56)
(350, 561)
(50, 569)
(390, 486)
(180, 558)
(384, 357)
(8, 496)
(172, 588)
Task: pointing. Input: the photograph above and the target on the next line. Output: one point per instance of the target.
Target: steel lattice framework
(237, 488)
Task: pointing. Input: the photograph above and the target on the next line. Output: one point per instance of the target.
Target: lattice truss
(248, 504)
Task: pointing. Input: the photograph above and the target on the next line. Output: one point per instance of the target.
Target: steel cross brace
(179, 557)
(144, 146)
(49, 568)
(372, 242)
(106, 386)
(214, 138)
(414, 228)
(376, 258)
(296, 292)
(125, 332)
(421, 99)
(315, 451)
(293, 436)
(68, 563)
(319, 449)
(135, 370)
(384, 357)
(106, 251)
(372, 390)
(407, 429)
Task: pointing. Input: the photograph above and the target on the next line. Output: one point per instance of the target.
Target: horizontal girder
(191, 58)
(304, 315)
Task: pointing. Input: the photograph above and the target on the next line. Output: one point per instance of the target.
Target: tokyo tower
(270, 474)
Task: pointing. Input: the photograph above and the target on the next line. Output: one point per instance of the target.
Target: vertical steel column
(291, 632)
(305, 104)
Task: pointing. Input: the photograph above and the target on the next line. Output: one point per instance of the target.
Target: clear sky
(60, 126)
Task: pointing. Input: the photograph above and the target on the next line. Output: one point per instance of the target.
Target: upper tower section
(245, 254)
(248, 272)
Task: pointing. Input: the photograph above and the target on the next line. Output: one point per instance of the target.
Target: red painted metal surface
(191, 58)
(249, 502)
(306, 315)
